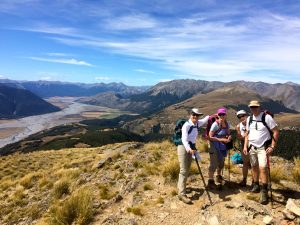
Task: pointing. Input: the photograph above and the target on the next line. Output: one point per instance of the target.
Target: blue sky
(141, 42)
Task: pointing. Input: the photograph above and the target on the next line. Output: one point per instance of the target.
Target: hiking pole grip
(205, 187)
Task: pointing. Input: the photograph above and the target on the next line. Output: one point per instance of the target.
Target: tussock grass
(105, 192)
(160, 200)
(78, 209)
(29, 180)
(296, 170)
(171, 170)
(174, 192)
(277, 174)
(136, 211)
(148, 187)
(5, 184)
(62, 187)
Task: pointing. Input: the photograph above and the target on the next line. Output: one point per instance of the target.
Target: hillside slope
(128, 183)
(16, 102)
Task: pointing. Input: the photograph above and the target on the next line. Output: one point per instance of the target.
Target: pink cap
(222, 110)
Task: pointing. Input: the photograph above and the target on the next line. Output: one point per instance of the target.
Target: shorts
(258, 156)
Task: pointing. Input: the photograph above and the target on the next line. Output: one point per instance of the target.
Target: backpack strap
(263, 120)
(192, 127)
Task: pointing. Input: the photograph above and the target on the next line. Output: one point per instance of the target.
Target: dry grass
(148, 187)
(171, 170)
(296, 170)
(277, 174)
(136, 211)
(61, 187)
(78, 209)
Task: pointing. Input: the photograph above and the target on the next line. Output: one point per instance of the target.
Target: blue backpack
(178, 131)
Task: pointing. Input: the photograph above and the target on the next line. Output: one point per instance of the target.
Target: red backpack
(211, 120)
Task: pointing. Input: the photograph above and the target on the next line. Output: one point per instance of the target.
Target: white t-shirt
(243, 129)
(258, 133)
(193, 135)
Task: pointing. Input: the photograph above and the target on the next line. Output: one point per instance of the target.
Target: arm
(203, 121)
(275, 131)
(238, 132)
(245, 150)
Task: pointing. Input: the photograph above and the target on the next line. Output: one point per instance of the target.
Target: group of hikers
(258, 134)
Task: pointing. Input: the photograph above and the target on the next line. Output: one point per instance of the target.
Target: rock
(229, 205)
(268, 220)
(292, 207)
(102, 162)
(213, 221)
(288, 215)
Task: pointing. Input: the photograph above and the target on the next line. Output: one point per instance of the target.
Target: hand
(245, 150)
(192, 152)
(269, 150)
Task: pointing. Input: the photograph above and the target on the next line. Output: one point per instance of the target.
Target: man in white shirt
(187, 150)
(261, 144)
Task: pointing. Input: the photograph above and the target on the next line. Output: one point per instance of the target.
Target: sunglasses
(195, 115)
(221, 114)
(253, 107)
(241, 116)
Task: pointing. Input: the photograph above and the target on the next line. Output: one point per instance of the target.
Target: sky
(143, 42)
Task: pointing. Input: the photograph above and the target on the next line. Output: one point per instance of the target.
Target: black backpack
(178, 132)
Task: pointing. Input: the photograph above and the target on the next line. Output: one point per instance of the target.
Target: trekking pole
(229, 165)
(205, 187)
(270, 182)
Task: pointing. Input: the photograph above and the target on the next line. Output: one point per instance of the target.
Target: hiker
(260, 141)
(242, 115)
(187, 150)
(219, 135)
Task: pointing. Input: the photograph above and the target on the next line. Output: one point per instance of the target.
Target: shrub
(160, 200)
(296, 170)
(174, 192)
(78, 209)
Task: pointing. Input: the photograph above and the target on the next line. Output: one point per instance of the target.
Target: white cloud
(102, 78)
(60, 60)
(57, 54)
(130, 22)
(144, 71)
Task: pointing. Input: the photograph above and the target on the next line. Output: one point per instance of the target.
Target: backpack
(211, 120)
(178, 131)
(263, 121)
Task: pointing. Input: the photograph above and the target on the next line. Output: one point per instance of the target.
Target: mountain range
(167, 93)
(18, 102)
(46, 89)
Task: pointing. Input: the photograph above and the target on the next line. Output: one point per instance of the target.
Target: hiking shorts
(258, 156)
(215, 160)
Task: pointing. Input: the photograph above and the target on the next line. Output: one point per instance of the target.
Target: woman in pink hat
(219, 135)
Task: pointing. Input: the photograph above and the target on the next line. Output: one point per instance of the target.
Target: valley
(18, 129)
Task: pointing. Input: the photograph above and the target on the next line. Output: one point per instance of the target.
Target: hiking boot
(264, 197)
(255, 188)
(211, 184)
(243, 183)
(185, 199)
(219, 179)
